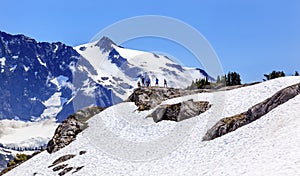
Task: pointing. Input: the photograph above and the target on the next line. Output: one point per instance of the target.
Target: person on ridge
(148, 82)
(143, 80)
(156, 82)
(165, 83)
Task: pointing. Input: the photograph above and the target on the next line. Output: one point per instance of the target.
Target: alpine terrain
(42, 83)
(252, 130)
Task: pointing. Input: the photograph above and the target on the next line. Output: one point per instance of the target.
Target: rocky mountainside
(28, 75)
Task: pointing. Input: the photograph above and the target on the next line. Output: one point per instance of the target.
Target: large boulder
(180, 111)
(230, 124)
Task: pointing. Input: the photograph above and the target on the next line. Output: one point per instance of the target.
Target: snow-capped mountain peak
(119, 69)
(105, 43)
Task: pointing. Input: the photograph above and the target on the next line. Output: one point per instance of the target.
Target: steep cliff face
(29, 73)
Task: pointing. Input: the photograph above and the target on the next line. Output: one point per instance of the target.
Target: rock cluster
(59, 166)
(230, 124)
(146, 98)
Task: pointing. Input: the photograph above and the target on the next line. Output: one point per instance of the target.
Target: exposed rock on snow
(180, 111)
(59, 167)
(62, 159)
(66, 170)
(230, 124)
(77, 169)
(146, 98)
(67, 131)
(58, 163)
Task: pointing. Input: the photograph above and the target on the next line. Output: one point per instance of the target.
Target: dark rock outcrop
(82, 152)
(66, 170)
(230, 124)
(67, 131)
(77, 169)
(62, 159)
(180, 111)
(148, 98)
(59, 167)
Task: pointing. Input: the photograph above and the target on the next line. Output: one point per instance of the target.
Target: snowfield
(121, 141)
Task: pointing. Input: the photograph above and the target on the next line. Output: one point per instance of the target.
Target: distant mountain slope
(267, 146)
(40, 80)
(35, 77)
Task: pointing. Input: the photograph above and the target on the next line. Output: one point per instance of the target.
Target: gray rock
(82, 152)
(180, 111)
(66, 170)
(148, 98)
(64, 134)
(78, 169)
(67, 131)
(230, 124)
(59, 167)
(62, 159)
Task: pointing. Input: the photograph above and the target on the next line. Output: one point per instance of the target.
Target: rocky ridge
(229, 124)
(149, 98)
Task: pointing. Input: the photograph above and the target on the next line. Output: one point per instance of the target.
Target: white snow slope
(268, 146)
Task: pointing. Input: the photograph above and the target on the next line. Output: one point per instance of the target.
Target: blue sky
(251, 37)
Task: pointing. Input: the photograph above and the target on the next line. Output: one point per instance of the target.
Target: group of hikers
(147, 83)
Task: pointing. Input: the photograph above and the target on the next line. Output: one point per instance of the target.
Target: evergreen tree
(273, 75)
(199, 83)
(232, 78)
(218, 79)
